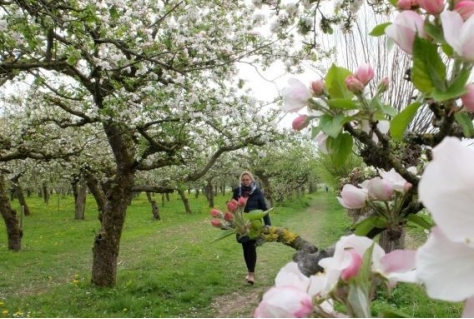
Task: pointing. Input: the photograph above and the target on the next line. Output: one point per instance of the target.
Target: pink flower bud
(216, 223)
(300, 122)
(406, 25)
(242, 202)
(216, 213)
(407, 4)
(354, 84)
(364, 73)
(228, 216)
(465, 8)
(383, 85)
(354, 265)
(468, 98)
(318, 87)
(380, 189)
(232, 206)
(353, 197)
(432, 6)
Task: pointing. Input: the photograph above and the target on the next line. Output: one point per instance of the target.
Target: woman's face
(246, 181)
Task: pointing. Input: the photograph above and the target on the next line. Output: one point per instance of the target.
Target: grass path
(242, 302)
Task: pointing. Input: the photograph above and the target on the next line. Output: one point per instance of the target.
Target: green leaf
(456, 89)
(379, 30)
(315, 131)
(335, 83)
(256, 214)
(434, 31)
(365, 226)
(447, 49)
(429, 70)
(420, 221)
(224, 234)
(401, 121)
(466, 123)
(339, 148)
(393, 2)
(332, 126)
(345, 104)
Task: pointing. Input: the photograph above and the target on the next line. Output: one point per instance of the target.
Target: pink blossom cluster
(457, 28)
(383, 188)
(296, 295)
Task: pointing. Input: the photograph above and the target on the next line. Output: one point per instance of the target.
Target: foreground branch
(307, 255)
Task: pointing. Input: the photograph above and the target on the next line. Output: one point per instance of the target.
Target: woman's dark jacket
(255, 200)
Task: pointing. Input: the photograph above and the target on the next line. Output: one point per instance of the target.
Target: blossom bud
(318, 87)
(216, 213)
(242, 202)
(228, 216)
(383, 85)
(364, 73)
(380, 189)
(353, 197)
(300, 122)
(216, 223)
(468, 98)
(432, 6)
(465, 8)
(407, 4)
(354, 84)
(232, 206)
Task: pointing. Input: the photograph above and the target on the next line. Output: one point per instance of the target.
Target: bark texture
(14, 231)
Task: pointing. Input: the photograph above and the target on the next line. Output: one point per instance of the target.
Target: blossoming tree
(148, 75)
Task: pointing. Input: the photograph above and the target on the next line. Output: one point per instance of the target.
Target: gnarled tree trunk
(14, 231)
(185, 200)
(19, 194)
(80, 200)
(154, 207)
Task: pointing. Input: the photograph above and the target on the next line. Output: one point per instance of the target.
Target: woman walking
(255, 200)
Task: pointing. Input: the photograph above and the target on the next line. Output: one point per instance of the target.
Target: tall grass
(166, 268)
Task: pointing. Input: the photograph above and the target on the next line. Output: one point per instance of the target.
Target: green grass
(166, 268)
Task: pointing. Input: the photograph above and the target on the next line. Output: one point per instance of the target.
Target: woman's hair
(248, 174)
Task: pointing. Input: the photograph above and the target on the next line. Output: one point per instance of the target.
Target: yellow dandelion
(5, 312)
(75, 281)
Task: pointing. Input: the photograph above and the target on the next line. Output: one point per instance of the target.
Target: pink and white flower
(353, 197)
(458, 33)
(295, 96)
(380, 189)
(403, 30)
(292, 295)
(347, 259)
(446, 191)
(398, 182)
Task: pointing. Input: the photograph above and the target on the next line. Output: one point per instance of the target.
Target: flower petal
(466, 39)
(445, 267)
(446, 190)
(452, 24)
(290, 275)
(398, 261)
